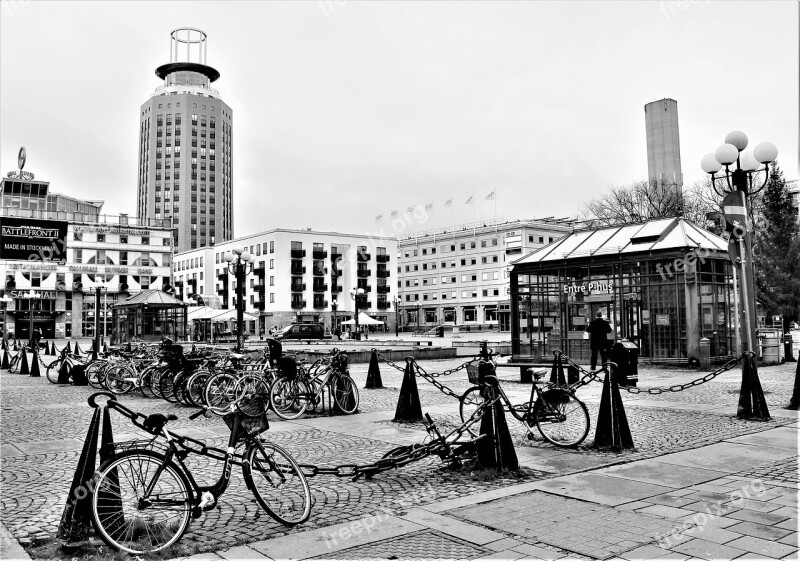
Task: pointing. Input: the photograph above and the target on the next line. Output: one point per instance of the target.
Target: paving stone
(790, 511)
(757, 517)
(790, 540)
(759, 530)
(762, 547)
(708, 550)
(537, 552)
(503, 544)
(716, 535)
(749, 504)
(665, 511)
(241, 552)
(505, 555)
(789, 524)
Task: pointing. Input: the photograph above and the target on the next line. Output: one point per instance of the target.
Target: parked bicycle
(146, 496)
(560, 417)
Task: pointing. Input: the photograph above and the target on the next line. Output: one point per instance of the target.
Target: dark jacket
(598, 330)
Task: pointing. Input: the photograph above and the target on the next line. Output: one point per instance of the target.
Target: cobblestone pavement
(43, 428)
(784, 470)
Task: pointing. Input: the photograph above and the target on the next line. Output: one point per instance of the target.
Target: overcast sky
(346, 110)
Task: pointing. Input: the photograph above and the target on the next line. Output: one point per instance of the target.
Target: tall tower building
(663, 142)
(185, 156)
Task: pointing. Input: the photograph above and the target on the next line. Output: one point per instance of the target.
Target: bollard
(63, 373)
(15, 345)
(105, 347)
(5, 365)
(76, 520)
(794, 403)
(495, 448)
(374, 374)
(112, 502)
(128, 347)
(35, 365)
(24, 369)
(705, 354)
(53, 350)
(409, 408)
(484, 352)
(613, 431)
(77, 351)
(752, 404)
(69, 349)
(557, 373)
(788, 353)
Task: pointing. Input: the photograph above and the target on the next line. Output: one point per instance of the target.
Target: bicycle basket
(254, 425)
(473, 373)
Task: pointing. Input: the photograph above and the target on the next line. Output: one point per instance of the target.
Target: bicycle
(299, 388)
(145, 498)
(561, 418)
(54, 369)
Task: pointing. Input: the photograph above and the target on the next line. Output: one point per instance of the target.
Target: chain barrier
(431, 376)
(391, 363)
(439, 446)
(593, 375)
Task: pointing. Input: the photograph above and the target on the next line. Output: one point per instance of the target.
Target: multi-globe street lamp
(354, 294)
(396, 316)
(737, 185)
(99, 286)
(30, 296)
(238, 262)
(334, 307)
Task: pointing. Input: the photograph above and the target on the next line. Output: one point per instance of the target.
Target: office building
(458, 276)
(663, 142)
(185, 156)
(56, 250)
(297, 276)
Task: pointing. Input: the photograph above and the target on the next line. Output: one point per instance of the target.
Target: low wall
(472, 348)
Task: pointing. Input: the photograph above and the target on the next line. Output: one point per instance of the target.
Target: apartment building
(296, 276)
(460, 275)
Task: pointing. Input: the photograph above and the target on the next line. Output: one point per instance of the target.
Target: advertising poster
(33, 240)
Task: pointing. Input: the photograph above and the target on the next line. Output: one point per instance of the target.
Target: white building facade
(296, 276)
(459, 276)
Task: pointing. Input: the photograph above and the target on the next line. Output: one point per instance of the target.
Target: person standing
(598, 330)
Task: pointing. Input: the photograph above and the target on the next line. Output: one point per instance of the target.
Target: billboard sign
(33, 240)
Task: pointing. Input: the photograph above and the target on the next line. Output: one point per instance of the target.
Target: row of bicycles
(215, 377)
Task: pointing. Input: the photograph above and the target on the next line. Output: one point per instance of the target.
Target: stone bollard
(705, 354)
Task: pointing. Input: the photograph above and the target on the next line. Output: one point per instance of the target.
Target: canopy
(151, 299)
(363, 319)
(215, 315)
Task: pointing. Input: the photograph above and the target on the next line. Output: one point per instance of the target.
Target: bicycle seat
(155, 422)
(537, 373)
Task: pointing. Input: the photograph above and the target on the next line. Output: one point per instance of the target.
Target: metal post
(355, 306)
(240, 274)
(30, 327)
(396, 318)
(97, 318)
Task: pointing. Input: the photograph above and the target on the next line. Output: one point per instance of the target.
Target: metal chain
(432, 379)
(593, 375)
(414, 453)
(391, 363)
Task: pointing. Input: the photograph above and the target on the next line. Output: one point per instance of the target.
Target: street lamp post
(238, 263)
(396, 316)
(30, 296)
(334, 306)
(354, 294)
(736, 186)
(99, 286)
(418, 317)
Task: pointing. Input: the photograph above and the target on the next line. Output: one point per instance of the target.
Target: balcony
(363, 256)
(298, 270)
(298, 304)
(364, 304)
(382, 258)
(319, 254)
(384, 289)
(320, 287)
(259, 287)
(298, 253)
(366, 287)
(222, 275)
(336, 289)
(260, 270)
(298, 287)
(320, 272)
(259, 305)
(383, 274)
(383, 305)
(361, 273)
(320, 303)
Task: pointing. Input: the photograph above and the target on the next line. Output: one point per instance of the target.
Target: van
(301, 331)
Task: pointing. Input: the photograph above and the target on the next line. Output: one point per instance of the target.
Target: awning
(363, 319)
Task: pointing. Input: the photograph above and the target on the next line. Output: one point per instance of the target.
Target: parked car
(302, 331)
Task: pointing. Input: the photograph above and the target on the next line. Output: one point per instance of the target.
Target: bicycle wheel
(562, 418)
(52, 371)
(219, 392)
(195, 387)
(277, 483)
(14, 364)
(167, 385)
(345, 394)
(95, 373)
(119, 379)
(468, 403)
(289, 398)
(155, 380)
(145, 381)
(124, 519)
(254, 395)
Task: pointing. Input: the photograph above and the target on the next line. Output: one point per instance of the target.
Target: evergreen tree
(776, 251)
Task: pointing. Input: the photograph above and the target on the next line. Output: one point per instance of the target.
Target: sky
(344, 110)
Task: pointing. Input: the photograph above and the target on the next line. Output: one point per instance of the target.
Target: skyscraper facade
(663, 142)
(185, 148)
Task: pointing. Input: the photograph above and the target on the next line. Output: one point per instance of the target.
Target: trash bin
(788, 353)
(770, 349)
(626, 356)
(440, 331)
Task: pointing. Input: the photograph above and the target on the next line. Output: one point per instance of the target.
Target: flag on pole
(379, 218)
(429, 206)
(469, 201)
(490, 196)
(394, 214)
(448, 202)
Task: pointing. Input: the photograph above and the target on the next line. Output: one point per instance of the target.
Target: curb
(10, 549)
